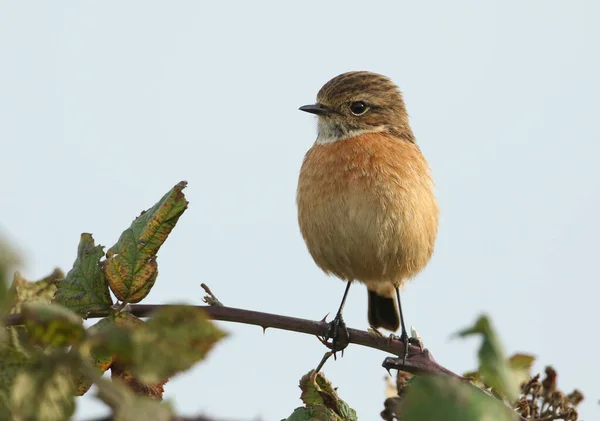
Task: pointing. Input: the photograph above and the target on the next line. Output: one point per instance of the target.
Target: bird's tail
(383, 312)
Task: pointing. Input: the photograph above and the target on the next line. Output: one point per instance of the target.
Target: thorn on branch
(416, 363)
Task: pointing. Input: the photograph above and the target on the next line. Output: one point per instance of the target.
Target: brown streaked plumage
(366, 207)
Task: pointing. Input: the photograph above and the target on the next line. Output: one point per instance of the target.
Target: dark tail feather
(383, 312)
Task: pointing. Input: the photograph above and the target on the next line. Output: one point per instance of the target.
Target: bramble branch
(417, 363)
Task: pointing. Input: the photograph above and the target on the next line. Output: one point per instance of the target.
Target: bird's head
(356, 103)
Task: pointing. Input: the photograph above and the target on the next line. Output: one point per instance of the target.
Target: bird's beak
(317, 109)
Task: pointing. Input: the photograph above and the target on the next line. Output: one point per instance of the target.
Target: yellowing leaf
(104, 342)
(173, 340)
(85, 289)
(493, 367)
(126, 375)
(82, 383)
(142, 353)
(13, 362)
(113, 348)
(44, 392)
(51, 324)
(131, 267)
(22, 291)
(111, 340)
(475, 378)
(520, 365)
(321, 400)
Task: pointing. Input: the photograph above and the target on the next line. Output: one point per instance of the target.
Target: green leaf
(127, 406)
(519, 364)
(315, 413)
(13, 362)
(51, 324)
(434, 398)
(173, 340)
(131, 266)
(85, 289)
(44, 392)
(321, 400)
(493, 366)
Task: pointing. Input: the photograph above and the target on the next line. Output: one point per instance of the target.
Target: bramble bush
(49, 358)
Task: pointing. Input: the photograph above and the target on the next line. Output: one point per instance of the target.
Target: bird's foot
(338, 333)
(406, 340)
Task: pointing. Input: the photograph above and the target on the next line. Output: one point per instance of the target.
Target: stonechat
(366, 206)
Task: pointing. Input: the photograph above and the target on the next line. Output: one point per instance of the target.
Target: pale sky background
(104, 106)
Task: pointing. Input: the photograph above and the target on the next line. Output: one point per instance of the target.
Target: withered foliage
(540, 400)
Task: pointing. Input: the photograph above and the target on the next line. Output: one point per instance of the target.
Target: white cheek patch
(329, 132)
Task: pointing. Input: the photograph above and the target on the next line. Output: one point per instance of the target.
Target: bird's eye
(358, 108)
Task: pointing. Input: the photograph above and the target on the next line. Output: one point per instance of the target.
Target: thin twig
(327, 355)
(210, 299)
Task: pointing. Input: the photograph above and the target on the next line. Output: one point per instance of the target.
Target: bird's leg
(336, 329)
(404, 335)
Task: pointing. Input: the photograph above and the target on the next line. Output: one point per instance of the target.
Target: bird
(365, 198)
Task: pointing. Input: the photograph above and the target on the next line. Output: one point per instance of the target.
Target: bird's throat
(329, 131)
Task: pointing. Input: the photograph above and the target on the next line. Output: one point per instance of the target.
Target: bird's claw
(416, 342)
(338, 333)
(406, 340)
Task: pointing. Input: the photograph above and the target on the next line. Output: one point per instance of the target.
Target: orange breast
(366, 208)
